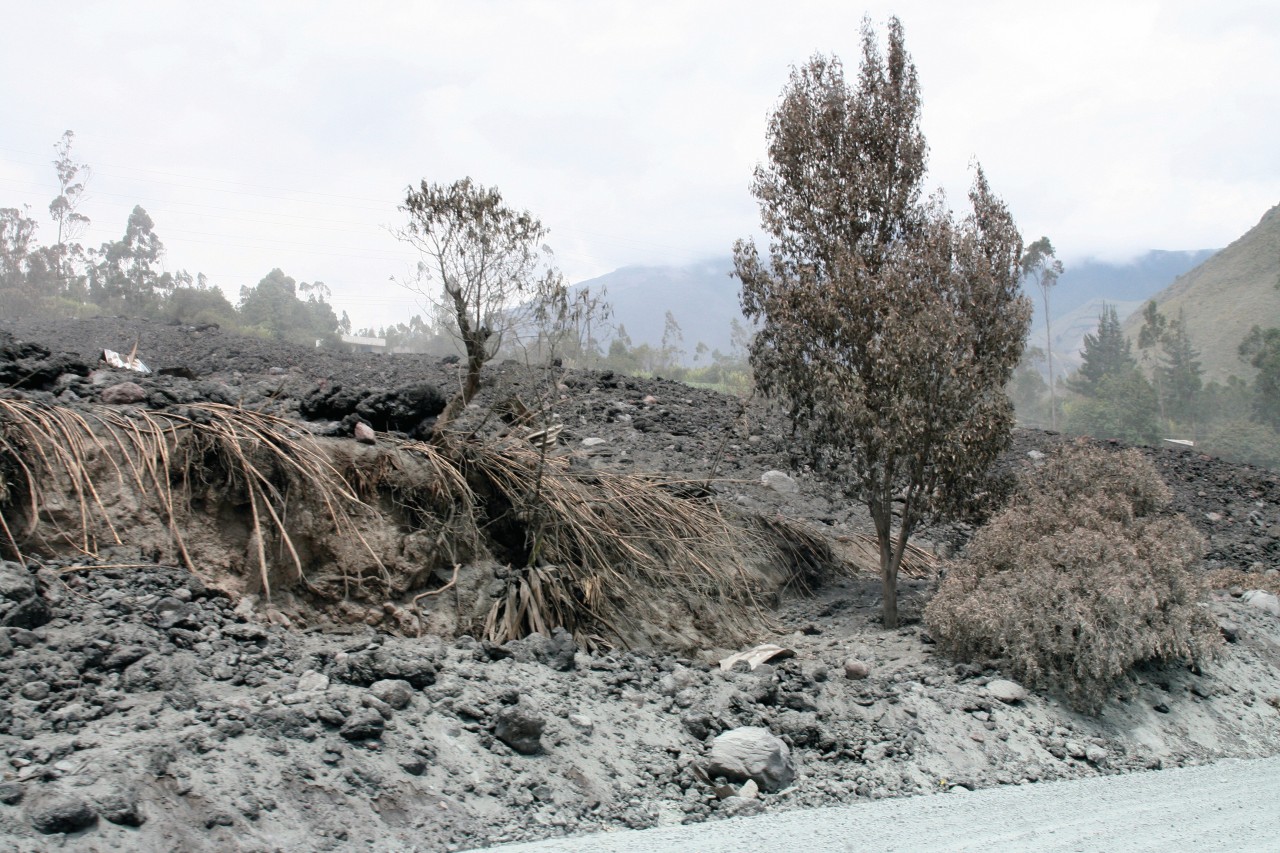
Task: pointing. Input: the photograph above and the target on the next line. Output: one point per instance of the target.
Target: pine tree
(1107, 353)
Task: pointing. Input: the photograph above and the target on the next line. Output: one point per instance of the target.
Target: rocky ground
(143, 708)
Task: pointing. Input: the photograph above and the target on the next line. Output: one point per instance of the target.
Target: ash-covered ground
(144, 708)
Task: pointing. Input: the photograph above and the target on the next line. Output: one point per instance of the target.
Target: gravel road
(1230, 805)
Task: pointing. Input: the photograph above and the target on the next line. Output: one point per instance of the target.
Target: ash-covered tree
(486, 261)
(887, 328)
(1040, 265)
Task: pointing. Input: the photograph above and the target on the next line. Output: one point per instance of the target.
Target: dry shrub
(1086, 574)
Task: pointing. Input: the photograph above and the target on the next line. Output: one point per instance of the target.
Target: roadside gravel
(1230, 805)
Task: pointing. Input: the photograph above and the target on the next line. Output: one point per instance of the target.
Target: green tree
(197, 302)
(1154, 326)
(887, 328)
(127, 276)
(25, 271)
(1261, 349)
(273, 309)
(1106, 352)
(1027, 389)
(1040, 265)
(490, 265)
(1121, 406)
(672, 352)
(1181, 374)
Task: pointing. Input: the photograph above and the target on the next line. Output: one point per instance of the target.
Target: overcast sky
(278, 134)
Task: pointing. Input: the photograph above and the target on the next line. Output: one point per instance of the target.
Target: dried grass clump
(1086, 574)
(595, 551)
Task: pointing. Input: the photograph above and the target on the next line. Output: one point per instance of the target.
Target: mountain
(703, 298)
(1226, 296)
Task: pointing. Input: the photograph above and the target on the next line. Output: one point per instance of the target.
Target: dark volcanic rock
(62, 814)
(33, 367)
(394, 660)
(520, 727)
(20, 603)
(364, 724)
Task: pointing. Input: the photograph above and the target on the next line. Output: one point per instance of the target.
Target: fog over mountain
(703, 298)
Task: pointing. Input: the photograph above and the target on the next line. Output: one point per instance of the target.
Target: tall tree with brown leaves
(887, 328)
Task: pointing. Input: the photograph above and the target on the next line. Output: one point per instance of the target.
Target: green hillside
(1226, 296)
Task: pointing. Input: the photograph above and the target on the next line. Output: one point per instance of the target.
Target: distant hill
(703, 298)
(1227, 295)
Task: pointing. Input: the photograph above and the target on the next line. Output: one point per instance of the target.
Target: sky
(285, 134)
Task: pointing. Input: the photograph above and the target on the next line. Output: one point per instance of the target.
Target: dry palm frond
(805, 553)
(623, 549)
(51, 451)
(916, 562)
(268, 456)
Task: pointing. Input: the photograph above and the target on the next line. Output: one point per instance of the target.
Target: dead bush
(1084, 575)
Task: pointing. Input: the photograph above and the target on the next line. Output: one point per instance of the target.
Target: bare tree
(489, 265)
(1041, 266)
(887, 328)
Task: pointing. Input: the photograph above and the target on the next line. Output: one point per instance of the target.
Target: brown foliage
(888, 328)
(1086, 574)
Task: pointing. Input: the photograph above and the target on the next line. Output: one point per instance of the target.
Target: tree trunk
(882, 516)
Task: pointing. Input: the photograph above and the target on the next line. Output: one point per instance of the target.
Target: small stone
(35, 690)
(364, 433)
(123, 394)
(62, 814)
(313, 682)
(11, 793)
(749, 790)
(1095, 754)
(414, 765)
(582, 723)
(593, 441)
(121, 807)
(856, 670)
(520, 727)
(396, 692)
(364, 724)
(1009, 692)
(779, 482)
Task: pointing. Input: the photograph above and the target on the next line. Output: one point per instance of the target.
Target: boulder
(396, 692)
(62, 814)
(751, 752)
(21, 605)
(1009, 692)
(1264, 601)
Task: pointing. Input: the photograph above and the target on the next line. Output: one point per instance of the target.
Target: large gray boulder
(751, 752)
